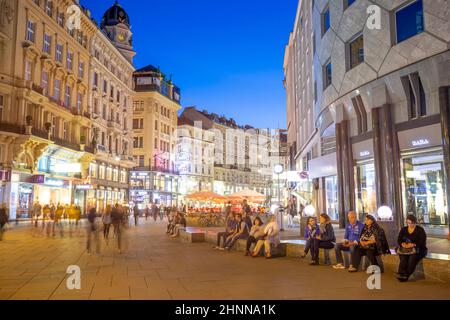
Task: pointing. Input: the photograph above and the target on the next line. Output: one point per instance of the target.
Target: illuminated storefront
(423, 180)
(158, 187)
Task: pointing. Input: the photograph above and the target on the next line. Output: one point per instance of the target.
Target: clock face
(121, 37)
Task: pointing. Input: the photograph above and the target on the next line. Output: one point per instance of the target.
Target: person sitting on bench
(270, 237)
(372, 243)
(255, 232)
(230, 227)
(241, 232)
(352, 232)
(412, 241)
(324, 240)
(311, 229)
(180, 225)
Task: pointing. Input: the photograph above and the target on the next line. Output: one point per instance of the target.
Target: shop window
(366, 198)
(332, 197)
(409, 21)
(425, 194)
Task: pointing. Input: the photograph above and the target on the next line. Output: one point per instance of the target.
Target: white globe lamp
(385, 213)
(309, 211)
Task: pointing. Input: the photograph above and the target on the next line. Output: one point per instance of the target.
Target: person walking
(136, 214)
(37, 211)
(117, 221)
(92, 231)
(155, 210)
(106, 219)
(3, 220)
(58, 219)
(146, 212)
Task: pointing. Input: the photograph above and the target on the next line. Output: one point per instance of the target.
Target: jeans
(106, 230)
(317, 244)
(408, 264)
(230, 242)
(250, 241)
(307, 247)
(370, 252)
(223, 236)
(260, 244)
(338, 250)
(92, 231)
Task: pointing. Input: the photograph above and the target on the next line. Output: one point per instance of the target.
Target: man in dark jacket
(92, 230)
(3, 220)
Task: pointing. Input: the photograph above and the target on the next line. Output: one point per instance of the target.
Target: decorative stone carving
(7, 13)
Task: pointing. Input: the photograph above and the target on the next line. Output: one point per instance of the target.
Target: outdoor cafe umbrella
(206, 196)
(250, 195)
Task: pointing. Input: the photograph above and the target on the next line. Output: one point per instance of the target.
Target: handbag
(406, 251)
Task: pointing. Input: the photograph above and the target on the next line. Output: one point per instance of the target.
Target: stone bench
(434, 266)
(192, 235)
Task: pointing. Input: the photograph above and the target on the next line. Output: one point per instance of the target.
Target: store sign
(364, 153)
(54, 182)
(84, 187)
(36, 179)
(67, 168)
(420, 142)
(296, 176)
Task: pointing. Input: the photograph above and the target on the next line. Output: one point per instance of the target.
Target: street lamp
(279, 169)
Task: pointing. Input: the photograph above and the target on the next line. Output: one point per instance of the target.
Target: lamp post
(278, 170)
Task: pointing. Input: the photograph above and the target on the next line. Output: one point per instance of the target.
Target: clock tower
(116, 26)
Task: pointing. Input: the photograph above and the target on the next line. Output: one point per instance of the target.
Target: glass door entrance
(425, 189)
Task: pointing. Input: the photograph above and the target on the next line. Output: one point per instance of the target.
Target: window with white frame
(59, 51)
(60, 19)
(67, 96)
(44, 82)
(31, 28)
(80, 69)
(57, 89)
(2, 106)
(66, 130)
(47, 43)
(69, 60)
(79, 101)
(27, 70)
(49, 7)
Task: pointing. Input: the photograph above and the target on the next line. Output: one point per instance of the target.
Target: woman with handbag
(372, 243)
(412, 241)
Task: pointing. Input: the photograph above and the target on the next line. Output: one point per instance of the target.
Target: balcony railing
(37, 89)
(67, 144)
(39, 133)
(89, 149)
(11, 127)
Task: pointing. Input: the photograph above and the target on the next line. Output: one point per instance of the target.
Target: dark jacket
(248, 221)
(382, 244)
(328, 235)
(3, 217)
(183, 222)
(418, 237)
(116, 216)
(92, 215)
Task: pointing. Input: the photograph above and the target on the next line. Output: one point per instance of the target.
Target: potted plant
(29, 120)
(83, 140)
(48, 126)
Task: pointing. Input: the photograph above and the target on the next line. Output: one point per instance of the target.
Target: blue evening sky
(225, 55)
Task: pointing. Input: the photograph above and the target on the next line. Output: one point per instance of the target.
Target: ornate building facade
(155, 114)
(50, 125)
(110, 100)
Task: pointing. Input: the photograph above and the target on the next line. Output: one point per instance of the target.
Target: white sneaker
(339, 266)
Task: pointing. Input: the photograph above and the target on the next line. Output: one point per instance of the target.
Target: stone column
(444, 101)
(387, 167)
(346, 182)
